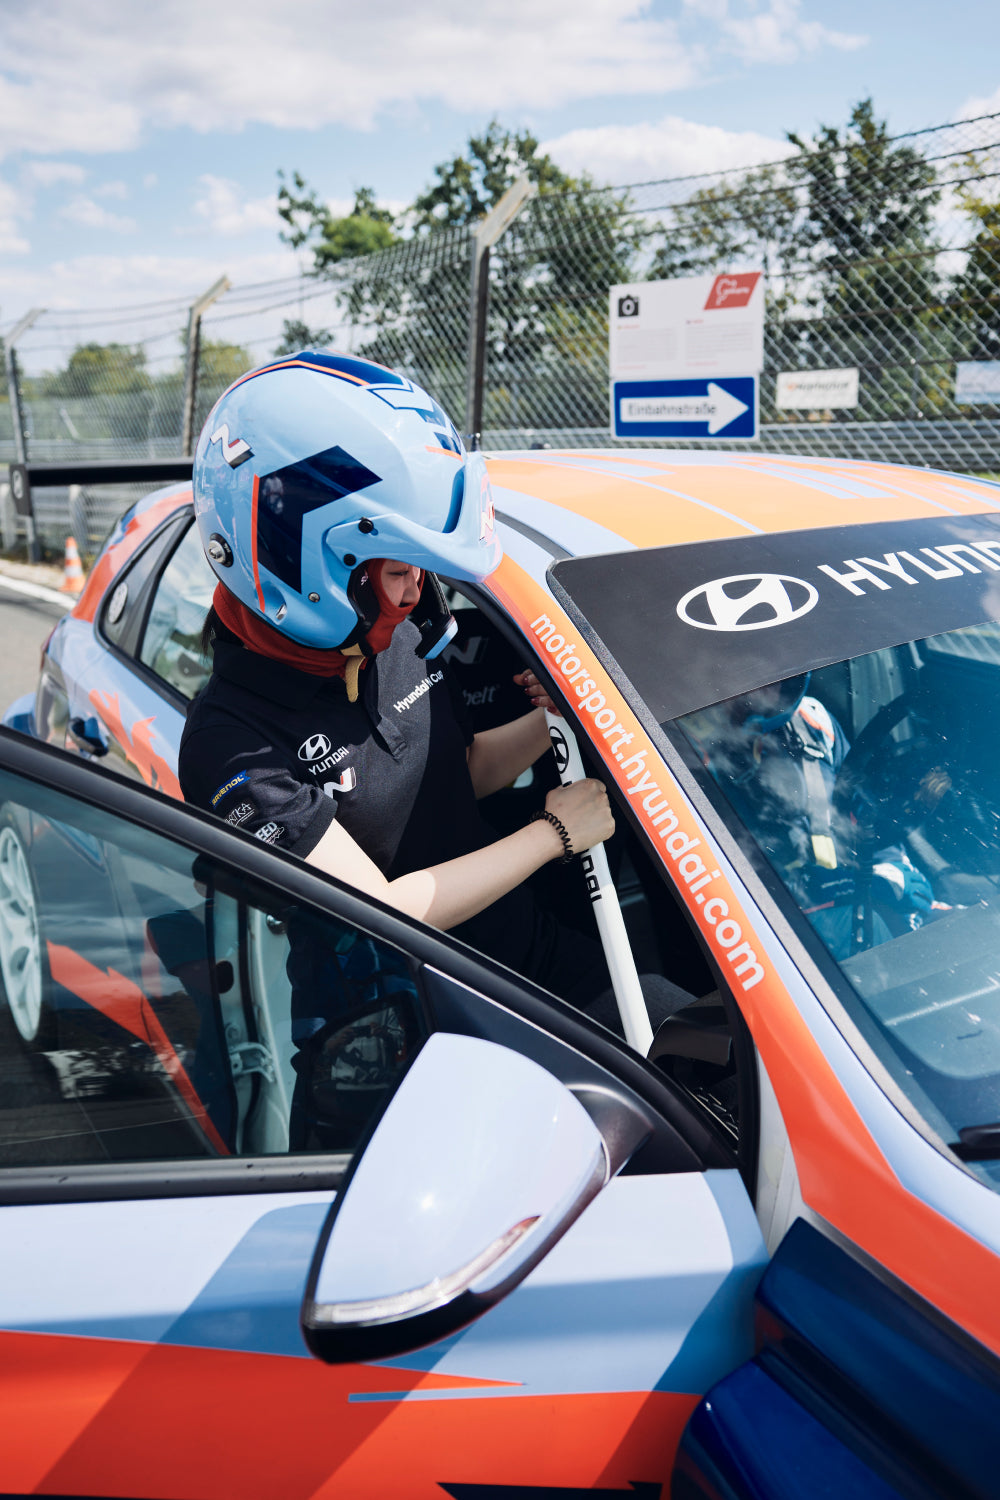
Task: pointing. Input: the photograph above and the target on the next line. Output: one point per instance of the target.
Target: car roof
(603, 500)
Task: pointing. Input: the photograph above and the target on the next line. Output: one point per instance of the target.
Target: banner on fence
(977, 382)
(688, 326)
(816, 390)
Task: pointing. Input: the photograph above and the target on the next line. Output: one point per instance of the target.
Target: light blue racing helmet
(317, 463)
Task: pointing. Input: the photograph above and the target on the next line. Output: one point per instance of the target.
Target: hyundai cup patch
(230, 786)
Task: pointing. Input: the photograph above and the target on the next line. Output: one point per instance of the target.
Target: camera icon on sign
(628, 307)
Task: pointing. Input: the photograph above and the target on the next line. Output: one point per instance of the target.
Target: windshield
(871, 790)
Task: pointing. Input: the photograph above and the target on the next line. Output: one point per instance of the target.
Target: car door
(221, 1032)
(116, 687)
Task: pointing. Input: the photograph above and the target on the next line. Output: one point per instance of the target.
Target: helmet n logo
(236, 452)
(315, 747)
(747, 601)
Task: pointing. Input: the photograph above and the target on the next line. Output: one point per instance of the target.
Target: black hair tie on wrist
(560, 828)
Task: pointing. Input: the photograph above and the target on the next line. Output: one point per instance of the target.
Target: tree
(366, 229)
(469, 185)
(296, 335)
(547, 328)
(100, 370)
(976, 289)
(221, 363)
(868, 232)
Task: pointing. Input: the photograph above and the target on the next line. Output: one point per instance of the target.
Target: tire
(23, 970)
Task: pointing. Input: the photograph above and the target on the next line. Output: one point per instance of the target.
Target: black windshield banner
(696, 623)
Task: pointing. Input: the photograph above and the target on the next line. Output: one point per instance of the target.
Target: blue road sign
(722, 406)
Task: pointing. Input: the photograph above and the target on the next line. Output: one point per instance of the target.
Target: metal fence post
(193, 354)
(484, 235)
(17, 420)
(8, 519)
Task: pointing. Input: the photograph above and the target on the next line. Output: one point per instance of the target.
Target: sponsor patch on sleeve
(270, 833)
(240, 813)
(230, 786)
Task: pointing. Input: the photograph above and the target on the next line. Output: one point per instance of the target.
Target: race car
(512, 1257)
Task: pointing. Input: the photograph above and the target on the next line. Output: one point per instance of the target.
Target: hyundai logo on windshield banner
(750, 601)
(696, 623)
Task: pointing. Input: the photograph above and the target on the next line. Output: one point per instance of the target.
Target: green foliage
(296, 335)
(753, 218)
(976, 292)
(366, 229)
(866, 195)
(412, 312)
(468, 186)
(221, 363)
(99, 370)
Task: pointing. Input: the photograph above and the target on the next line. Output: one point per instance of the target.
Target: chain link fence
(879, 254)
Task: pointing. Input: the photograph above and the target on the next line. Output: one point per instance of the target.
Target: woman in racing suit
(328, 492)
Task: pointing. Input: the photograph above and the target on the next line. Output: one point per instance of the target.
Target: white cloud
(115, 281)
(116, 189)
(778, 34)
(48, 173)
(988, 104)
(93, 75)
(12, 210)
(90, 215)
(226, 211)
(670, 147)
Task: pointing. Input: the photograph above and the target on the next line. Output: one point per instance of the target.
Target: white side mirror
(480, 1163)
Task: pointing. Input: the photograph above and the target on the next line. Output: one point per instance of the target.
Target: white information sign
(977, 382)
(816, 390)
(688, 326)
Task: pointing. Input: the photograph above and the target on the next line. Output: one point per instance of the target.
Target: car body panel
(124, 1318)
(522, 1397)
(618, 1329)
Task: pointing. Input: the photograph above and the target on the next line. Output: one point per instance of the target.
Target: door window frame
(468, 993)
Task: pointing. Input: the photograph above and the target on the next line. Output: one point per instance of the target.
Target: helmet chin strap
(433, 618)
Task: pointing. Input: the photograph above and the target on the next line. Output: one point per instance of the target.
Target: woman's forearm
(498, 756)
(442, 895)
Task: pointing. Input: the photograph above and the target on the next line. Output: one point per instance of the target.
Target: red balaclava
(257, 635)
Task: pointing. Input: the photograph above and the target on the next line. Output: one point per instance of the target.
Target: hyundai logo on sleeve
(747, 601)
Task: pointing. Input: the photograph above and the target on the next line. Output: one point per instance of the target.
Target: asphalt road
(24, 625)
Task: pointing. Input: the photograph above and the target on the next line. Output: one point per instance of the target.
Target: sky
(140, 142)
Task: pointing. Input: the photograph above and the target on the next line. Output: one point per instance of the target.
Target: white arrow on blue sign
(723, 407)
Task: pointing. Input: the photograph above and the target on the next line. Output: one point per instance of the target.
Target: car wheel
(23, 971)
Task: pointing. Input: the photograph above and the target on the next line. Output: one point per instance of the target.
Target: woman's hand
(535, 691)
(584, 811)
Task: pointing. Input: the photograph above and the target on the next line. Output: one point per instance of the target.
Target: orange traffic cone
(72, 570)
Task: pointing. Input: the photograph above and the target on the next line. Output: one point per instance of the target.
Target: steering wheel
(857, 792)
(854, 770)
